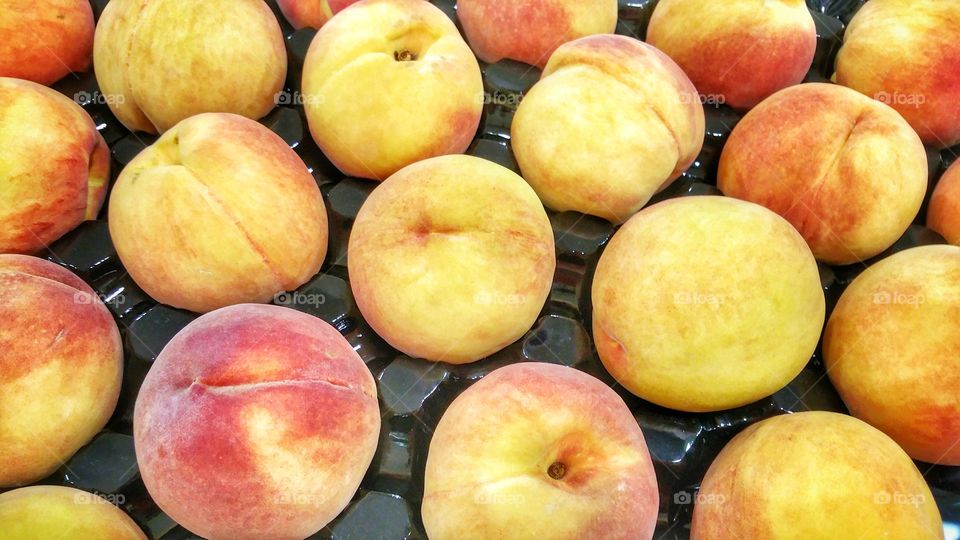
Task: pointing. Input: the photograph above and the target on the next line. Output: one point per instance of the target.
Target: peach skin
(60, 368)
(530, 31)
(906, 53)
(611, 122)
(50, 512)
(387, 83)
(218, 211)
(256, 422)
(845, 170)
(162, 61)
(816, 476)
(737, 52)
(311, 13)
(943, 215)
(706, 303)
(44, 40)
(451, 259)
(539, 451)
(55, 166)
(891, 350)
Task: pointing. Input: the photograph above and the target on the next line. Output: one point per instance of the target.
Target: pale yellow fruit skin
(451, 259)
(373, 115)
(891, 350)
(814, 476)
(162, 61)
(611, 122)
(487, 472)
(54, 513)
(218, 211)
(706, 303)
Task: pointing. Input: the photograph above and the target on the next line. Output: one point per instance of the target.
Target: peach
(539, 451)
(845, 170)
(531, 30)
(60, 369)
(814, 475)
(256, 422)
(55, 166)
(163, 61)
(943, 215)
(44, 40)
(387, 83)
(47, 512)
(891, 350)
(218, 211)
(451, 259)
(706, 303)
(611, 122)
(311, 13)
(736, 52)
(920, 76)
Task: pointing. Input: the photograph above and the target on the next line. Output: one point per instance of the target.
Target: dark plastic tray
(414, 393)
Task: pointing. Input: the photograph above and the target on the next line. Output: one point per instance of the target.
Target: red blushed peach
(43, 40)
(451, 259)
(256, 422)
(311, 13)
(891, 349)
(60, 367)
(943, 214)
(814, 476)
(51, 512)
(539, 451)
(737, 52)
(845, 170)
(218, 211)
(906, 53)
(531, 30)
(55, 166)
(387, 83)
(611, 122)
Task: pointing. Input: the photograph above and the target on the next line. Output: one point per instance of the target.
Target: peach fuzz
(943, 215)
(891, 350)
(845, 170)
(451, 259)
(706, 303)
(44, 40)
(906, 53)
(256, 422)
(60, 369)
(387, 83)
(48, 512)
(311, 13)
(161, 61)
(817, 476)
(539, 451)
(218, 211)
(611, 122)
(55, 166)
(531, 30)
(737, 52)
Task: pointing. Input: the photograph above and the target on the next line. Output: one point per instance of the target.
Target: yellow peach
(44, 40)
(49, 512)
(943, 215)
